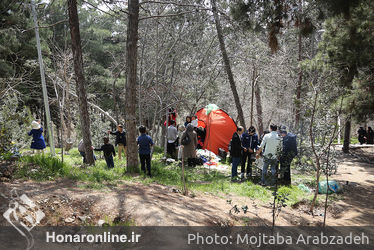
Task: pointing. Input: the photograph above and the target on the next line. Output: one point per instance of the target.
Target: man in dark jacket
(361, 135)
(109, 152)
(289, 151)
(370, 136)
(250, 145)
(236, 151)
(120, 140)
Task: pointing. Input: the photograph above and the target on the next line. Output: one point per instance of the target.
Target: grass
(44, 167)
(354, 140)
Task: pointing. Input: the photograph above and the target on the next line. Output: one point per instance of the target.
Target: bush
(14, 123)
(41, 167)
(158, 150)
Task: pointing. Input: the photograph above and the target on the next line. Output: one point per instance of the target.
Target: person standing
(120, 140)
(250, 145)
(145, 143)
(235, 149)
(172, 139)
(361, 135)
(370, 136)
(188, 120)
(189, 142)
(109, 152)
(36, 132)
(289, 151)
(271, 144)
(181, 129)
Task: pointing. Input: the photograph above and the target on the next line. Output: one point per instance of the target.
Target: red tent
(219, 127)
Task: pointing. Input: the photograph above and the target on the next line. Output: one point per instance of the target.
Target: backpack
(186, 140)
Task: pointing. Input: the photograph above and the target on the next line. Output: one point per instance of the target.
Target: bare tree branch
(46, 26)
(170, 15)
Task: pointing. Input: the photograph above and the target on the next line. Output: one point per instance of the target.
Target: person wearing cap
(36, 132)
(289, 151)
(271, 145)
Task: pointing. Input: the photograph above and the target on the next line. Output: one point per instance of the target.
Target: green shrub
(40, 167)
(158, 150)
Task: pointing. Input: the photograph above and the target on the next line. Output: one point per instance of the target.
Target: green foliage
(292, 193)
(41, 167)
(348, 44)
(99, 128)
(16, 47)
(15, 122)
(157, 150)
(44, 167)
(273, 16)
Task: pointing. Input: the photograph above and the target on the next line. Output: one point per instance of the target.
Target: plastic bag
(333, 187)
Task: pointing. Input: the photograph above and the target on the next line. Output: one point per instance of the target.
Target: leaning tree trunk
(347, 135)
(131, 46)
(227, 63)
(79, 78)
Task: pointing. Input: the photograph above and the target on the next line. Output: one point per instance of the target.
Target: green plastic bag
(211, 107)
(304, 188)
(333, 187)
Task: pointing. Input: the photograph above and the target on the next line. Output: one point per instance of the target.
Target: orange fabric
(219, 129)
(201, 124)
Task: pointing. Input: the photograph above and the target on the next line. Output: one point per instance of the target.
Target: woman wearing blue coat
(37, 136)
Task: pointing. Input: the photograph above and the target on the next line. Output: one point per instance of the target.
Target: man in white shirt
(194, 121)
(172, 137)
(271, 146)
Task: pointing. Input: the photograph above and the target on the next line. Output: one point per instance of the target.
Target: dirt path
(358, 203)
(64, 203)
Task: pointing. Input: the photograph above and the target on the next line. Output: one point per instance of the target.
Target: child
(38, 142)
(109, 152)
(145, 143)
(120, 140)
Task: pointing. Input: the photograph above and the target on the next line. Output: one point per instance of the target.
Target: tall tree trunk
(141, 73)
(316, 155)
(253, 92)
(79, 78)
(300, 74)
(67, 97)
(347, 135)
(114, 94)
(259, 109)
(227, 63)
(132, 54)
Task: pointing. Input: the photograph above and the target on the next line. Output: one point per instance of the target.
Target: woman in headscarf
(189, 150)
(38, 142)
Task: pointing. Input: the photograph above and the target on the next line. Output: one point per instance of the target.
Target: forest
(113, 88)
